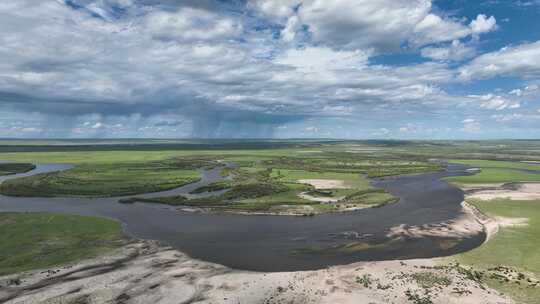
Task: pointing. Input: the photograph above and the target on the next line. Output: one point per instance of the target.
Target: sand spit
(325, 183)
(144, 272)
(491, 227)
(492, 224)
(464, 226)
(320, 199)
(525, 191)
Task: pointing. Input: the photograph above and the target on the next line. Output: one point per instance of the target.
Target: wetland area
(281, 243)
(300, 207)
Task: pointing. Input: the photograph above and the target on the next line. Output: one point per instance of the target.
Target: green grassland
(510, 262)
(496, 175)
(498, 164)
(350, 179)
(265, 179)
(359, 191)
(15, 168)
(91, 157)
(260, 189)
(40, 240)
(257, 183)
(513, 253)
(107, 179)
(87, 149)
(497, 172)
(346, 162)
(130, 167)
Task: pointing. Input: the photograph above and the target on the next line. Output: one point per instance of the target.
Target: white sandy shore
(463, 226)
(525, 191)
(143, 272)
(325, 183)
(319, 199)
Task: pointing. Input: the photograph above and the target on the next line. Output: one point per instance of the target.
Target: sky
(351, 69)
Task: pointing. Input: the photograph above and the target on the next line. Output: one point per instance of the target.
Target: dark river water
(278, 243)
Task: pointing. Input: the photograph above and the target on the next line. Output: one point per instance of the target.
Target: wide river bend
(272, 243)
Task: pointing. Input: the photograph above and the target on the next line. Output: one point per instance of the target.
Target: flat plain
(271, 177)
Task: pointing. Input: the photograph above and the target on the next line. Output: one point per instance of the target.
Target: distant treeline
(50, 145)
(149, 147)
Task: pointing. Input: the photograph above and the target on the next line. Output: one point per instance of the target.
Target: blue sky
(356, 69)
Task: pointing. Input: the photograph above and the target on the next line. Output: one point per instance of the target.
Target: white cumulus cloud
(521, 60)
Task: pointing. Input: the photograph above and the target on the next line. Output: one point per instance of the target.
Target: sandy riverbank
(325, 183)
(144, 272)
(525, 191)
(466, 225)
(522, 191)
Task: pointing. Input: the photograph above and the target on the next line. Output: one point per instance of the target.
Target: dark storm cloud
(210, 121)
(68, 107)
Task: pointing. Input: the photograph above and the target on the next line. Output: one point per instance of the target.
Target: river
(269, 243)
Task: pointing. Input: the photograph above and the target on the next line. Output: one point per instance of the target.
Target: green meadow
(267, 181)
(513, 251)
(99, 180)
(497, 172)
(351, 180)
(42, 240)
(266, 178)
